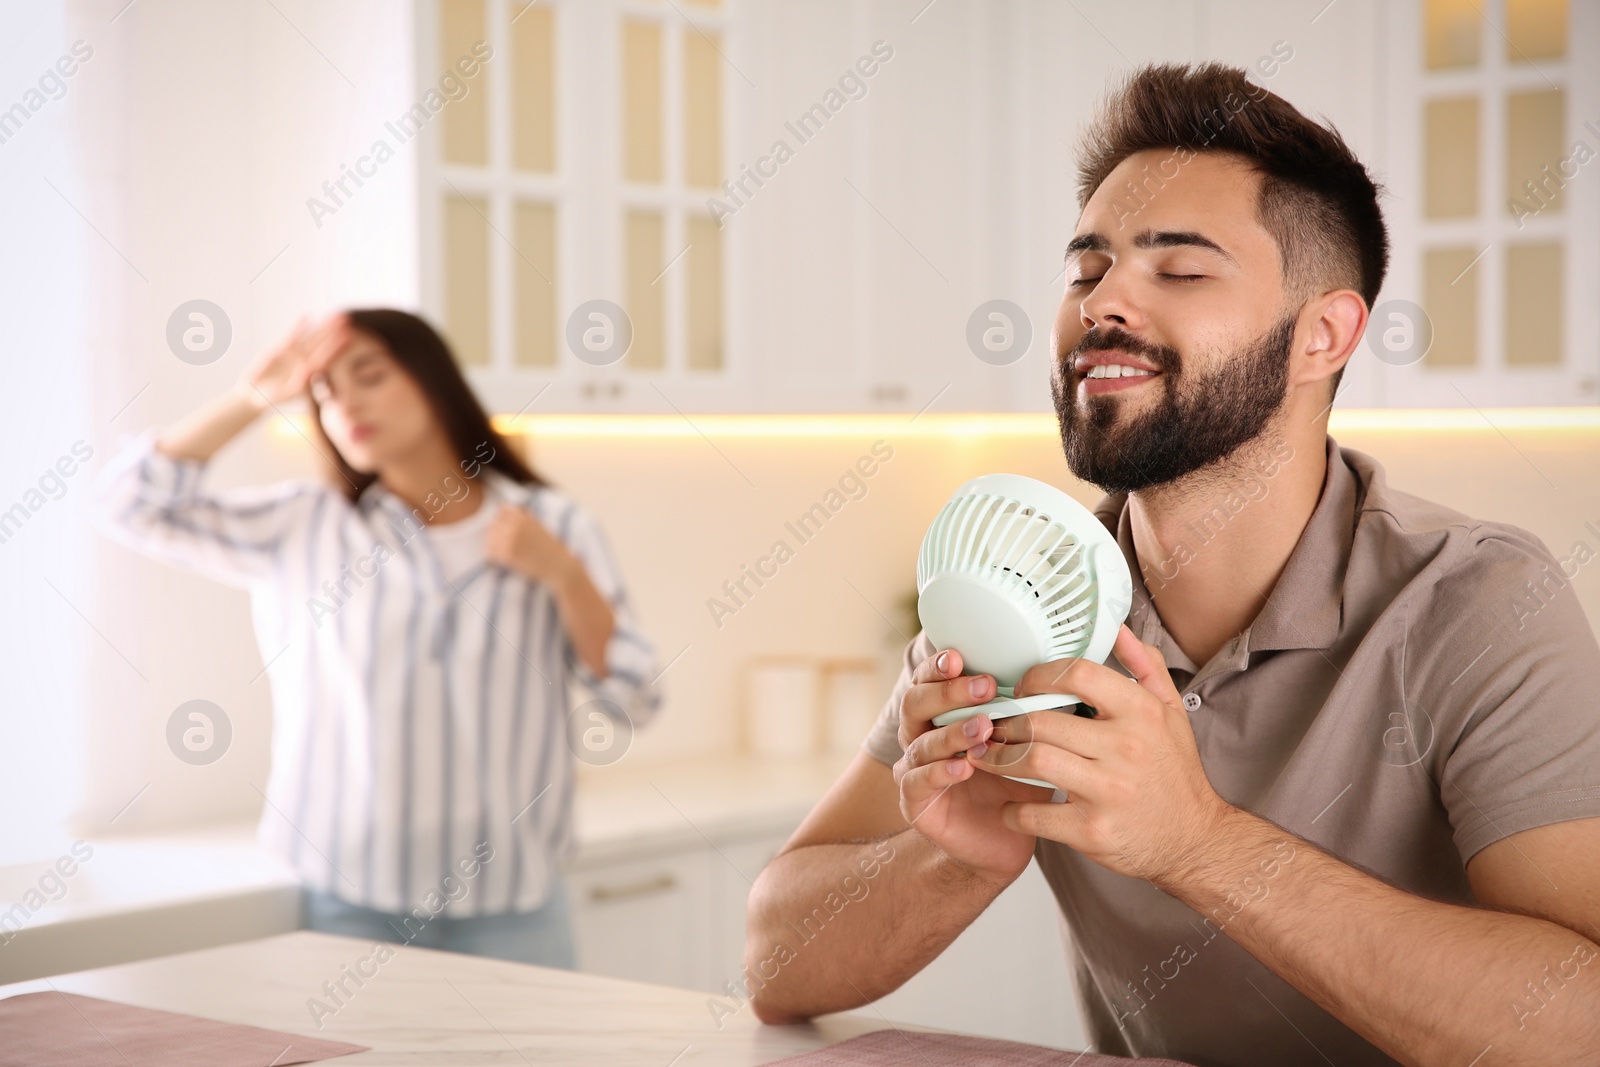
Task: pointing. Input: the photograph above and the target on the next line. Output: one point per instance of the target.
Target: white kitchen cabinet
(736, 869)
(852, 259)
(646, 919)
(852, 254)
(678, 918)
(1006, 976)
(661, 881)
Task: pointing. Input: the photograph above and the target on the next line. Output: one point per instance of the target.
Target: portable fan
(1013, 572)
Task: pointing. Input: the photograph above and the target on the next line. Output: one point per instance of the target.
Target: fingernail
(955, 767)
(943, 662)
(970, 727)
(976, 686)
(978, 749)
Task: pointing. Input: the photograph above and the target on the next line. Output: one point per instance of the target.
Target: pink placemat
(910, 1048)
(67, 1030)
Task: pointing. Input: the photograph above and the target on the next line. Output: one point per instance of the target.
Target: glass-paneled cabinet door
(1493, 296)
(569, 250)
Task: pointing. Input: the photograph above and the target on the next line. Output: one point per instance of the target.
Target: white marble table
(425, 1007)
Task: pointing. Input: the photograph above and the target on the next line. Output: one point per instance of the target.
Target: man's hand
(519, 542)
(1139, 802)
(941, 795)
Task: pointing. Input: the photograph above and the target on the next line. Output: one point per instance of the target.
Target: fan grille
(1022, 552)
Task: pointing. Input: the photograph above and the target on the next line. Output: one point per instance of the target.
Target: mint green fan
(1014, 572)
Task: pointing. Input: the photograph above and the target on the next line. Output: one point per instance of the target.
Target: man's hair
(1316, 198)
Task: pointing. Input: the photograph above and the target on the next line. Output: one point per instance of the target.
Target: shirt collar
(1305, 607)
(498, 487)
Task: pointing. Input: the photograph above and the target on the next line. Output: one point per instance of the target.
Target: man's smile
(1090, 386)
(1110, 371)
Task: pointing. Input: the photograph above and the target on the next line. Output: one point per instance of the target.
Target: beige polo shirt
(1418, 685)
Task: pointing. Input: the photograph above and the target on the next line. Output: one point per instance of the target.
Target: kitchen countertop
(713, 798)
(424, 1007)
(206, 886)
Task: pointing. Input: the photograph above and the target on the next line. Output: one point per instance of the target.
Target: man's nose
(1110, 304)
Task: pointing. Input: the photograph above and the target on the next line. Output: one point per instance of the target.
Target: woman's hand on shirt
(519, 542)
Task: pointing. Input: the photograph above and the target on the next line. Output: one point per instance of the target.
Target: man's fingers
(937, 685)
(924, 701)
(1146, 663)
(946, 663)
(1054, 726)
(944, 742)
(1067, 770)
(921, 787)
(1102, 687)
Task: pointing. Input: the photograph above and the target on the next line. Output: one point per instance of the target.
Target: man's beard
(1196, 422)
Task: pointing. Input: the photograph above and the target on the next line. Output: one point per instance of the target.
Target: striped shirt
(416, 718)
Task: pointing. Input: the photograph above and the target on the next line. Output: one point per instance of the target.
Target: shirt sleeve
(630, 656)
(882, 742)
(1517, 695)
(155, 504)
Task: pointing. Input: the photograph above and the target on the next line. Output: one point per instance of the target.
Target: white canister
(851, 699)
(781, 707)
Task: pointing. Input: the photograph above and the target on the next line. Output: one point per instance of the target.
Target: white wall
(44, 291)
(204, 127)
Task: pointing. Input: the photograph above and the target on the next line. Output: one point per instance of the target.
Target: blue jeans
(543, 936)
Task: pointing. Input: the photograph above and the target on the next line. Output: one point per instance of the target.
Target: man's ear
(1333, 325)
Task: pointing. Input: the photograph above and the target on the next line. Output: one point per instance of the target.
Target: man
(1348, 808)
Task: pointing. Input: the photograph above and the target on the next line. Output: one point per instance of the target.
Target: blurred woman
(421, 615)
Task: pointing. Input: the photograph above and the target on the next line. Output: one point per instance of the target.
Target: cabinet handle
(600, 894)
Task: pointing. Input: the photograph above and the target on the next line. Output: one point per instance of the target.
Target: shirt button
(1191, 701)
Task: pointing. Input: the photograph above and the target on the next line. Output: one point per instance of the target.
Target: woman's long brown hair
(423, 354)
